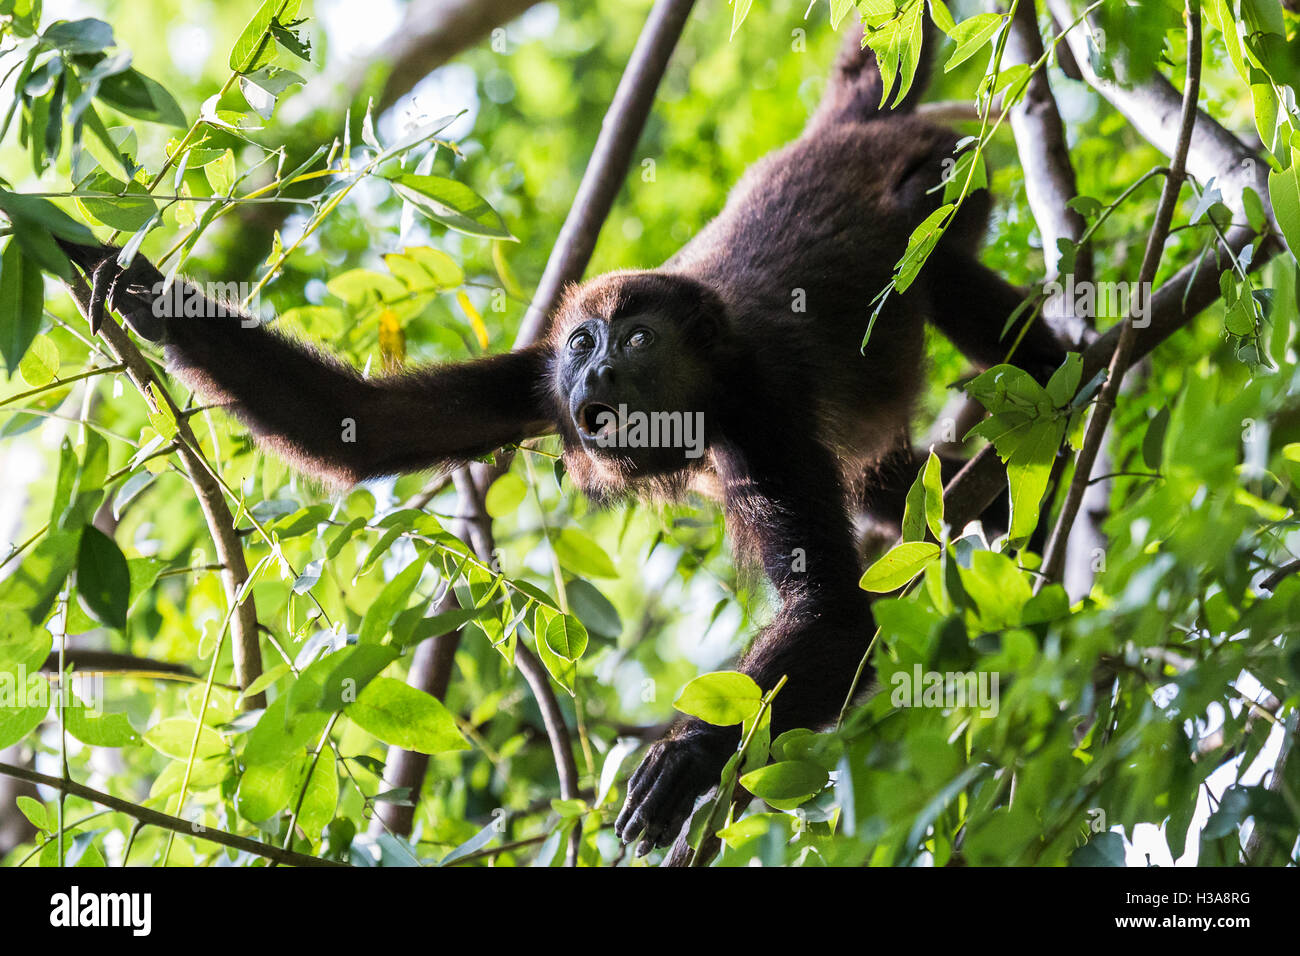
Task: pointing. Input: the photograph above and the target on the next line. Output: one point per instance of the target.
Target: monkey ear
(706, 317)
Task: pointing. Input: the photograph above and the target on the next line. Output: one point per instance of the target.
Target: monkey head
(631, 356)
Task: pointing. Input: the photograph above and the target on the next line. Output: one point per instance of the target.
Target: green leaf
(256, 47)
(1254, 207)
(33, 587)
(363, 287)
(24, 693)
(357, 666)
(563, 670)
(391, 600)
(895, 36)
(920, 244)
(1104, 849)
(452, 204)
(21, 709)
(1284, 191)
(34, 811)
(220, 173)
(279, 735)
(34, 219)
(440, 624)
(594, 609)
(933, 479)
(1005, 387)
(79, 36)
(425, 269)
(40, 366)
(722, 698)
(787, 783)
(103, 578)
(400, 715)
(970, 167)
(103, 730)
(22, 298)
(579, 553)
(902, 563)
(141, 97)
(839, 10)
(1153, 442)
(740, 10)
(475, 843)
(914, 510)
(942, 16)
(320, 798)
(267, 789)
(1065, 380)
(300, 522)
(1029, 469)
(566, 637)
(267, 678)
(505, 495)
(174, 737)
(291, 40)
(970, 35)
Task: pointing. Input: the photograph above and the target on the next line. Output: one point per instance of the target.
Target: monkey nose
(601, 376)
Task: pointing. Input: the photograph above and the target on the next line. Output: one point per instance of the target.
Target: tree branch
(166, 820)
(1213, 152)
(1054, 559)
(1050, 184)
(1179, 300)
(245, 650)
(431, 667)
(605, 173)
(1154, 108)
(1260, 848)
(607, 168)
(1044, 154)
(431, 33)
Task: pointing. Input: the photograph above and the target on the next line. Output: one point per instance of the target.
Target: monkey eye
(639, 339)
(581, 341)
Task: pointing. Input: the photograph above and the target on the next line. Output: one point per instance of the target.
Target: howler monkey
(755, 325)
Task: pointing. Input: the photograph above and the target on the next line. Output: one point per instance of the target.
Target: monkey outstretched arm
(319, 413)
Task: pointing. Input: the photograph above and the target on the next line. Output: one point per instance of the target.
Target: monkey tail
(855, 91)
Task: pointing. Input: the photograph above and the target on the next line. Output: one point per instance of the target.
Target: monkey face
(633, 393)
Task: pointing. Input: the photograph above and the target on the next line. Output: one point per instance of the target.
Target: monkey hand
(662, 791)
(134, 292)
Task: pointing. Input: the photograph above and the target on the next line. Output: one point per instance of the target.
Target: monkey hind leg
(883, 498)
(972, 306)
(855, 92)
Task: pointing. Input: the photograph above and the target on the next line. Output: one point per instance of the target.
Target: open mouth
(597, 420)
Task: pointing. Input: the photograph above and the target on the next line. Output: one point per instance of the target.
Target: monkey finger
(638, 785)
(101, 279)
(670, 820)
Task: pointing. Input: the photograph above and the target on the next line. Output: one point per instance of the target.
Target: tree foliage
(1141, 719)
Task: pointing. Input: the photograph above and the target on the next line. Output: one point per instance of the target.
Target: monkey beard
(611, 479)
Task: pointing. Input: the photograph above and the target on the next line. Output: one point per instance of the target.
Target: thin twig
(1054, 559)
(221, 524)
(1263, 845)
(1271, 582)
(165, 820)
